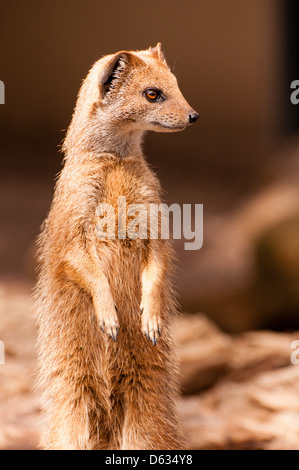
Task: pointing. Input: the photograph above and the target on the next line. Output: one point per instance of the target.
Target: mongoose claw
(151, 336)
(108, 321)
(116, 333)
(151, 321)
(113, 333)
(151, 333)
(110, 327)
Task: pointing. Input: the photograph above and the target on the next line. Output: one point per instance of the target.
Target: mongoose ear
(112, 70)
(156, 52)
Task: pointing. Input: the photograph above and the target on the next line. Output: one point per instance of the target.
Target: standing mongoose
(104, 306)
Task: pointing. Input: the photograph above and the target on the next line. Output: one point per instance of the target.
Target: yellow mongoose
(107, 362)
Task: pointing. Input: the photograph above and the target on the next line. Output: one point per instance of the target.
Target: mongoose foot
(151, 327)
(109, 324)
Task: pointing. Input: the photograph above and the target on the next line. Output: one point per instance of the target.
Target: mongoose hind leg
(76, 428)
(74, 368)
(150, 422)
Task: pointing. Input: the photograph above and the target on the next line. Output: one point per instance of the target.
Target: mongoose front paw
(151, 326)
(109, 323)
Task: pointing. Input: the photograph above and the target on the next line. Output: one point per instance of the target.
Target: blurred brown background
(235, 60)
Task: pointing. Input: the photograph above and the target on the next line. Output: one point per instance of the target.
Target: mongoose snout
(193, 117)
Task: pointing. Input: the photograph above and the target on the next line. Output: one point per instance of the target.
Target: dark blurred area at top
(234, 60)
(291, 62)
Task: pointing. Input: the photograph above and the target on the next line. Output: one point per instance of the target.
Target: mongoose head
(137, 90)
(124, 95)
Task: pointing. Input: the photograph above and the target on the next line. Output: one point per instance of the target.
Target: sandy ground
(20, 422)
(240, 392)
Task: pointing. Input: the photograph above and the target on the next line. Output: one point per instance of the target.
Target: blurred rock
(253, 402)
(277, 266)
(262, 413)
(205, 352)
(259, 351)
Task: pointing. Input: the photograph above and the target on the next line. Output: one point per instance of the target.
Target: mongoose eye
(152, 94)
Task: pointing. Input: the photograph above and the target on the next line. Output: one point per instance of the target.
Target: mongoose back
(104, 306)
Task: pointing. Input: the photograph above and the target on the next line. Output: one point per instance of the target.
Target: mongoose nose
(193, 117)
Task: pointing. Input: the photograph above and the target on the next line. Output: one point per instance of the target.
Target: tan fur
(99, 393)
